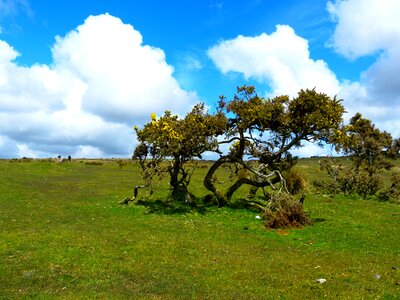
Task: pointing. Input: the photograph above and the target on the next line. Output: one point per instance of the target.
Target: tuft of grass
(63, 235)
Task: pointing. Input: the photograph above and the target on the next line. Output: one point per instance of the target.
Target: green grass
(63, 235)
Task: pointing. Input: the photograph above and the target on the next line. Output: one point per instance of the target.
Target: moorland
(64, 235)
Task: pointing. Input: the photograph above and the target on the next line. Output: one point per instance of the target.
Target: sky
(77, 76)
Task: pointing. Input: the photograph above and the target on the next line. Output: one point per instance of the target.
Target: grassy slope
(62, 234)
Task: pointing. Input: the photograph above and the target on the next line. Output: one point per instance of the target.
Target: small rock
(321, 280)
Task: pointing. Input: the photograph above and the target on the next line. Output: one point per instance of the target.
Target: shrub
(296, 181)
(121, 163)
(285, 211)
(348, 180)
(391, 194)
(25, 159)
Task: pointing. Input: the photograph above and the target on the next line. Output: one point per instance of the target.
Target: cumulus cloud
(281, 60)
(372, 27)
(126, 79)
(309, 149)
(365, 26)
(102, 81)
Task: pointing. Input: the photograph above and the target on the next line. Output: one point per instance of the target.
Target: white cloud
(24, 151)
(102, 81)
(366, 27)
(382, 77)
(88, 151)
(312, 149)
(126, 79)
(281, 60)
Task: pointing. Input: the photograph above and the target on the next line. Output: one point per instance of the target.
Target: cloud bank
(102, 81)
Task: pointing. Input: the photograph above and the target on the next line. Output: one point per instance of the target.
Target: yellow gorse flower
(153, 117)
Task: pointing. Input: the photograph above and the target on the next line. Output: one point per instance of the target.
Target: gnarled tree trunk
(225, 198)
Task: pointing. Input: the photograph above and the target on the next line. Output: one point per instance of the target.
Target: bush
(391, 194)
(348, 180)
(368, 184)
(285, 211)
(121, 163)
(296, 181)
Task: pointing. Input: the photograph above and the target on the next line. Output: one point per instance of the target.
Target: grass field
(64, 235)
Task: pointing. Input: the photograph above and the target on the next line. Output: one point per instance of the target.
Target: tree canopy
(167, 143)
(267, 129)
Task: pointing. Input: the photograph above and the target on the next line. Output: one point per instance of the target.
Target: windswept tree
(266, 130)
(167, 143)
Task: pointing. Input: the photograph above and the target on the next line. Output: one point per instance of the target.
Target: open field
(63, 235)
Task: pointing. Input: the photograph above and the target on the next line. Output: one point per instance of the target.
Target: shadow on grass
(319, 220)
(170, 208)
(200, 205)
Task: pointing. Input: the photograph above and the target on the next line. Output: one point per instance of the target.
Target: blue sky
(76, 76)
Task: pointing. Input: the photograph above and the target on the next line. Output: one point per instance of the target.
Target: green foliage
(368, 147)
(348, 180)
(267, 130)
(285, 122)
(176, 141)
(370, 151)
(392, 193)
